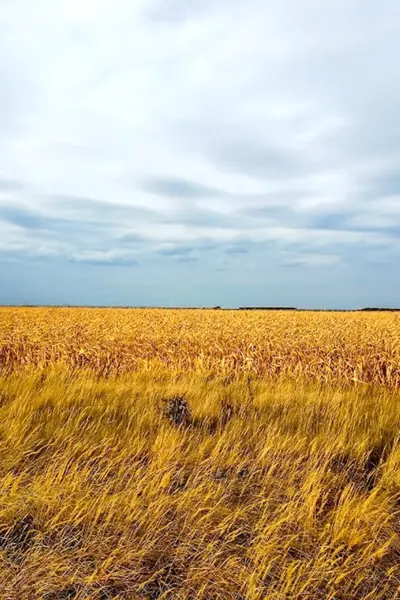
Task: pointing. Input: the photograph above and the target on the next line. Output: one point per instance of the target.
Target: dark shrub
(177, 411)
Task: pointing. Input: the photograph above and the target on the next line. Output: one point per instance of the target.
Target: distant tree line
(267, 308)
(366, 309)
(373, 309)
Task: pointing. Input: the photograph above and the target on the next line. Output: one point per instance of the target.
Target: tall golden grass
(325, 346)
(282, 481)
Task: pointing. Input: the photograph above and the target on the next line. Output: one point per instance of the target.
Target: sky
(200, 153)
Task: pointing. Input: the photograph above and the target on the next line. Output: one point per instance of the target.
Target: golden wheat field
(190, 454)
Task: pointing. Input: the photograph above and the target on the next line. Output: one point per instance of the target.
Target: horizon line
(216, 307)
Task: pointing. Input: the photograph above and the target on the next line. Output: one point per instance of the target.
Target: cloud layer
(200, 152)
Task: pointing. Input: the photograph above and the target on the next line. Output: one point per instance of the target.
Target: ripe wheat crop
(340, 347)
(211, 455)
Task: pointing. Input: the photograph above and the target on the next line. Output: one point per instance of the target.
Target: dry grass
(175, 460)
(324, 346)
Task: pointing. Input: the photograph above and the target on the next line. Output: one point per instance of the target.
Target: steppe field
(199, 454)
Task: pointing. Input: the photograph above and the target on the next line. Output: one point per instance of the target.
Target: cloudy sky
(198, 152)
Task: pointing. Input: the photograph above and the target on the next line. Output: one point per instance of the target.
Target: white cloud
(313, 260)
(285, 108)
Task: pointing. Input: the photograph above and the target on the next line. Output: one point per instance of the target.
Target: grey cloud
(366, 219)
(201, 248)
(22, 216)
(375, 224)
(189, 249)
(31, 220)
(288, 213)
(127, 215)
(180, 256)
(275, 207)
(257, 158)
(99, 210)
(314, 261)
(189, 258)
(133, 238)
(176, 251)
(273, 213)
(197, 217)
(11, 185)
(381, 184)
(175, 187)
(188, 214)
(247, 245)
(238, 249)
(331, 221)
(112, 259)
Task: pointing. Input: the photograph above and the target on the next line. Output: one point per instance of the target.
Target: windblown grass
(324, 346)
(171, 481)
